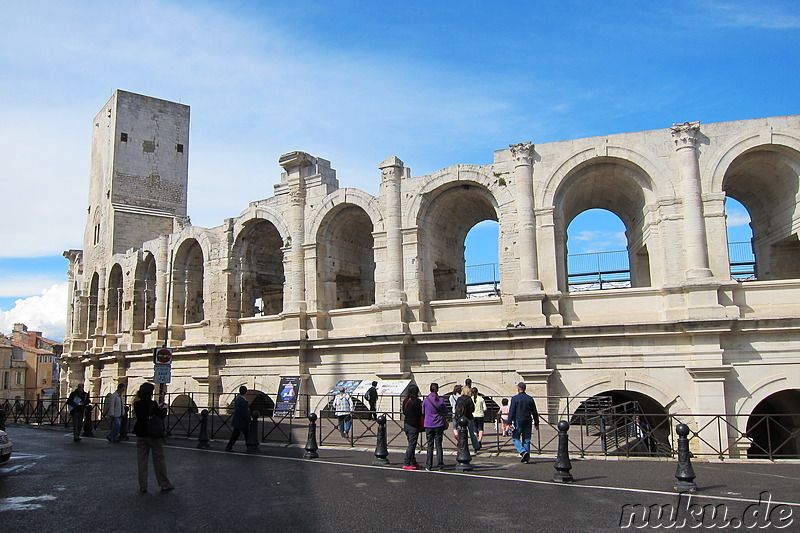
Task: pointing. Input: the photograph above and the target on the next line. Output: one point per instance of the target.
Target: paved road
(55, 484)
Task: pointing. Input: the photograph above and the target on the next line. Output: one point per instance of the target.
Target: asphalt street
(54, 484)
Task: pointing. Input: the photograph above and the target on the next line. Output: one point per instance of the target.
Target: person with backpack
(372, 399)
(145, 407)
(343, 409)
(434, 414)
(412, 424)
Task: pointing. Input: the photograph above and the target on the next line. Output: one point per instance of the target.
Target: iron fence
(614, 433)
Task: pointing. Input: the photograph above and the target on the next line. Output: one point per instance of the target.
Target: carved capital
(522, 153)
(391, 168)
(294, 160)
(685, 134)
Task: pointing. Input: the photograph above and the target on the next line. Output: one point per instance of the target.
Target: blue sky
(435, 83)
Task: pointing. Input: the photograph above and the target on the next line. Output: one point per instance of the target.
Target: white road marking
(24, 503)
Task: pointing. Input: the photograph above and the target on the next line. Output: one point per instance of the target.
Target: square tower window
(123, 137)
(179, 148)
(149, 146)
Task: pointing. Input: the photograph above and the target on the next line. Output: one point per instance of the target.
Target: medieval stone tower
(138, 176)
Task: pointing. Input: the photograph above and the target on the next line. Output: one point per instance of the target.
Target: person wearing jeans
(343, 408)
(434, 412)
(522, 415)
(114, 413)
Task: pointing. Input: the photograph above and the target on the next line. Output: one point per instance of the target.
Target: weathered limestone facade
(349, 285)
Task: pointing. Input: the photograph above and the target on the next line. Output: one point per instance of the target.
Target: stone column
(523, 176)
(696, 249)
(293, 163)
(392, 173)
(163, 268)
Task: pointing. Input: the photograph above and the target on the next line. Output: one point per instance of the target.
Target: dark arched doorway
(774, 426)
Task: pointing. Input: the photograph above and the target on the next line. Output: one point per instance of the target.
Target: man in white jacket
(114, 412)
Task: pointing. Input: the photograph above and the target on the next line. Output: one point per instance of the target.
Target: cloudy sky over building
(435, 83)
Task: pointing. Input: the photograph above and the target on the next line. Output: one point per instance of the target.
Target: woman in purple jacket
(434, 412)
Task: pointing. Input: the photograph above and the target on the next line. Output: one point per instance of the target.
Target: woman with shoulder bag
(412, 414)
(149, 431)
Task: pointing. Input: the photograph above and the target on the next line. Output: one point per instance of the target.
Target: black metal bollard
(463, 456)
(87, 421)
(253, 437)
(381, 451)
(563, 465)
(2, 419)
(123, 425)
(311, 444)
(684, 473)
(202, 439)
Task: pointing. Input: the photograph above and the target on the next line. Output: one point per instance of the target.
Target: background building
(28, 365)
(330, 283)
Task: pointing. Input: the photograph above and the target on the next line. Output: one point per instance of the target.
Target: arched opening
(597, 256)
(615, 186)
(626, 422)
(740, 241)
(258, 401)
(765, 181)
(774, 426)
(144, 294)
(114, 300)
(93, 311)
(187, 284)
(345, 259)
(450, 213)
(261, 276)
(183, 404)
(481, 259)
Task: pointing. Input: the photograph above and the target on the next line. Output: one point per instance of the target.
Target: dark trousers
(77, 422)
(373, 414)
(235, 437)
(412, 433)
(434, 436)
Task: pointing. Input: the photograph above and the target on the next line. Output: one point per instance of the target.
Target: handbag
(155, 425)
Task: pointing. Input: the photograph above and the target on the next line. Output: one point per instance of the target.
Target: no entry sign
(162, 356)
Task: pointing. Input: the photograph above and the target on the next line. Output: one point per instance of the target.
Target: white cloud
(20, 284)
(771, 15)
(45, 313)
(591, 241)
(735, 218)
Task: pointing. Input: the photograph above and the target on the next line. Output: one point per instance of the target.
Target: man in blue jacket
(522, 415)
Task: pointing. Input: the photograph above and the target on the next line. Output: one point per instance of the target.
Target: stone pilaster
(694, 230)
(523, 176)
(709, 383)
(293, 163)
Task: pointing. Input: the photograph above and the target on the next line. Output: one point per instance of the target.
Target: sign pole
(162, 387)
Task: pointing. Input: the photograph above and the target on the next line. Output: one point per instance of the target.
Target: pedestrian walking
(145, 407)
(240, 419)
(343, 408)
(503, 416)
(412, 423)
(464, 408)
(114, 412)
(478, 418)
(453, 400)
(78, 400)
(522, 415)
(372, 399)
(434, 414)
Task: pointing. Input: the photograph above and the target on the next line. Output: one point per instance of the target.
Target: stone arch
(717, 168)
(659, 391)
(444, 217)
(144, 294)
(345, 258)
(114, 299)
(773, 426)
(368, 203)
(619, 186)
(765, 179)
(94, 289)
(261, 212)
(187, 283)
(257, 269)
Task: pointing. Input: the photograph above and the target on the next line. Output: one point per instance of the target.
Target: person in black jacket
(372, 398)
(465, 407)
(522, 415)
(240, 419)
(144, 406)
(78, 401)
(412, 424)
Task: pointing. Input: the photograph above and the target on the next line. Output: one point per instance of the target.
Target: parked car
(5, 446)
